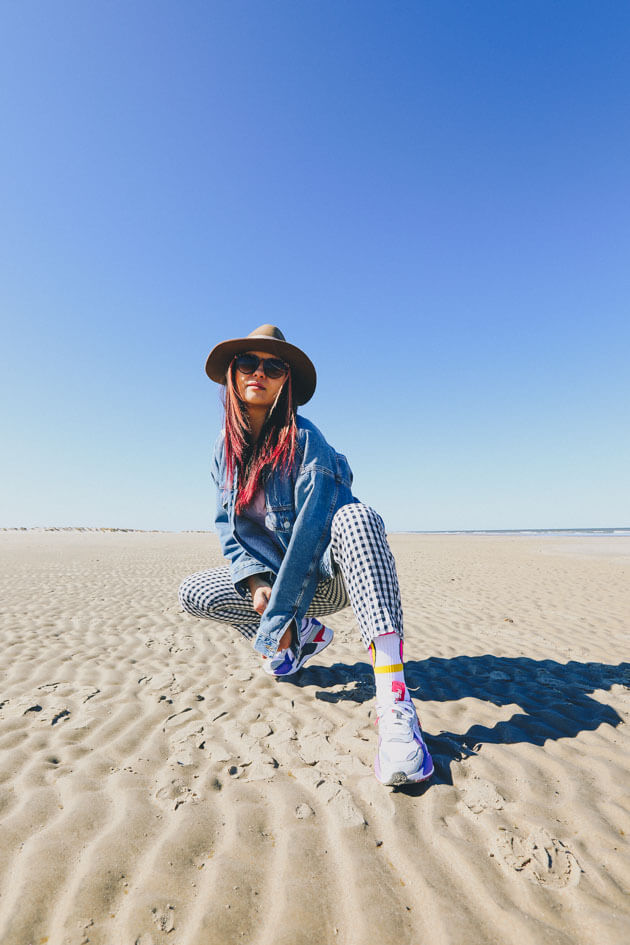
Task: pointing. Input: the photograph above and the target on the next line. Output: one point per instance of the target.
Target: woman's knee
(356, 517)
(187, 592)
(198, 594)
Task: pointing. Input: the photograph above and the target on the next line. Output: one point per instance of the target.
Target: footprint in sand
(479, 796)
(176, 792)
(543, 859)
(164, 684)
(50, 704)
(303, 811)
(164, 917)
(333, 796)
(315, 748)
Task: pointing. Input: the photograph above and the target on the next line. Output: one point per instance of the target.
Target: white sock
(389, 673)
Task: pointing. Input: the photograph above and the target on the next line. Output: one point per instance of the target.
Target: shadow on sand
(555, 698)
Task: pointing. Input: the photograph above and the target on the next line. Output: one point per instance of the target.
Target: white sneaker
(314, 638)
(402, 755)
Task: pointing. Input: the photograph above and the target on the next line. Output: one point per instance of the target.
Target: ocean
(539, 532)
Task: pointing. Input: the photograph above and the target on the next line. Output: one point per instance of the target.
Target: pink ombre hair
(275, 448)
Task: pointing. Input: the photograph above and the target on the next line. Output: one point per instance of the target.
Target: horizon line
(395, 531)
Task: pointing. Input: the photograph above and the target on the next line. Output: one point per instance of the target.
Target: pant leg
(330, 597)
(361, 551)
(211, 594)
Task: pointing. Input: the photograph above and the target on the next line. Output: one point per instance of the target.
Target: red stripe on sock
(398, 688)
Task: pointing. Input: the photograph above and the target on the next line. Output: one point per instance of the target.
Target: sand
(157, 787)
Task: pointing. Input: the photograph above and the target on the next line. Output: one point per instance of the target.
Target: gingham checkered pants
(366, 579)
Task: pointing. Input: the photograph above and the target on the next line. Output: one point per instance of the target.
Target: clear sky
(430, 198)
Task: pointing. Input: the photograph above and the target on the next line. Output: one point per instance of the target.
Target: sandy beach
(156, 788)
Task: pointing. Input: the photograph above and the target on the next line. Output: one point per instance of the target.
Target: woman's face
(258, 390)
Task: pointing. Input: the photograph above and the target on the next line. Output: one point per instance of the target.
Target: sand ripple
(156, 787)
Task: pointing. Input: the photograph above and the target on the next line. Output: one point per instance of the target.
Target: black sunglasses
(272, 367)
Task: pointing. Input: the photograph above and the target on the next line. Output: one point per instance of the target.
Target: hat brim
(303, 374)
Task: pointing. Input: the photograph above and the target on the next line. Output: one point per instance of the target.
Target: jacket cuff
(270, 633)
(241, 574)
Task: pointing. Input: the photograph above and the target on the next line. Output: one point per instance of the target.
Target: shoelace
(396, 720)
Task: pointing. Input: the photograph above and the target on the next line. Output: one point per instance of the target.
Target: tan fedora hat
(266, 338)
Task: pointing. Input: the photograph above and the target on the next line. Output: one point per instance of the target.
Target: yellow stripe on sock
(396, 668)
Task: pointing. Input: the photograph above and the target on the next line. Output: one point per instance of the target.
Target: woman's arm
(261, 592)
(242, 564)
(319, 491)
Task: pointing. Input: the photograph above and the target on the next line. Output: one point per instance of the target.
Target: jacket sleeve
(242, 564)
(316, 493)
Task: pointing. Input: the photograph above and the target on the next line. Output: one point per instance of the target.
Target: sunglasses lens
(274, 367)
(247, 363)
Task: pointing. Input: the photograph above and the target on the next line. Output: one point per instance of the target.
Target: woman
(299, 545)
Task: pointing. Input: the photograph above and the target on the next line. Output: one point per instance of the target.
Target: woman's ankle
(387, 660)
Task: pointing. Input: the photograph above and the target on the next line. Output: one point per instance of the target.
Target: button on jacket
(300, 505)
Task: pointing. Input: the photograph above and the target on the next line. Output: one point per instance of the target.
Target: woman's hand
(287, 638)
(261, 592)
(260, 598)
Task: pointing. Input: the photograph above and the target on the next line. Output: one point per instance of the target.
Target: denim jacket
(300, 504)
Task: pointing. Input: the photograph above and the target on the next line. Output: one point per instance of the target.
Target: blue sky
(431, 199)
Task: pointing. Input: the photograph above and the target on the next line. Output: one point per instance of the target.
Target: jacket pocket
(280, 520)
